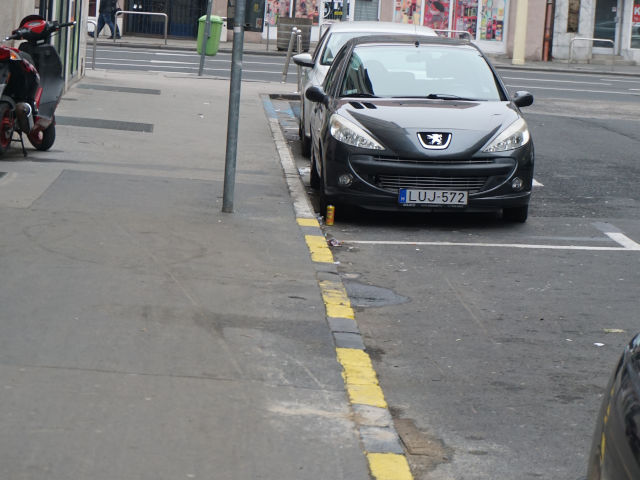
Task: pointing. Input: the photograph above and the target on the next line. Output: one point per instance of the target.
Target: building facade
(616, 22)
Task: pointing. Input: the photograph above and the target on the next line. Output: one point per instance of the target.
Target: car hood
(396, 123)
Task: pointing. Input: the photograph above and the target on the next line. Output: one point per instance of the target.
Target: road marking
(491, 245)
(319, 249)
(335, 299)
(554, 80)
(572, 90)
(308, 222)
(615, 234)
(360, 378)
(389, 466)
(537, 183)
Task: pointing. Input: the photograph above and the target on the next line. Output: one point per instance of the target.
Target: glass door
(606, 25)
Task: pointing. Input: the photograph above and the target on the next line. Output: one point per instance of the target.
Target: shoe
(117, 36)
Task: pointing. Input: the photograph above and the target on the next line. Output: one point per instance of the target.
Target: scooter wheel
(6, 127)
(43, 139)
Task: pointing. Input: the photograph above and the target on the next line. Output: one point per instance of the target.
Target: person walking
(107, 16)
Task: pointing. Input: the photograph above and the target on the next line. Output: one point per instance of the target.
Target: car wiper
(447, 96)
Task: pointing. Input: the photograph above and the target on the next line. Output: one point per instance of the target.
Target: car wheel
(314, 176)
(516, 214)
(305, 142)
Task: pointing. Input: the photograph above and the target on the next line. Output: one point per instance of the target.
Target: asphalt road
(496, 340)
(265, 68)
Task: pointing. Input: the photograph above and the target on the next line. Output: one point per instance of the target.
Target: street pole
(520, 40)
(205, 37)
(234, 108)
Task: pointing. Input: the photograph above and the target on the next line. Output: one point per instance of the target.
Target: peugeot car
(420, 123)
(332, 40)
(615, 451)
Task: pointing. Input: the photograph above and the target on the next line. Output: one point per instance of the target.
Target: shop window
(492, 21)
(406, 11)
(465, 16)
(436, 14)
(573, 19)
(635, 25)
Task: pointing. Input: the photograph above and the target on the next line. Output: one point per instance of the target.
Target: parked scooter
(31, 84)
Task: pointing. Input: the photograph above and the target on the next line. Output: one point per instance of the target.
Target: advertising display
(407, 11)
(436, 14)
(635, 25)
(282, 8)
(465, 16)
(492, 23)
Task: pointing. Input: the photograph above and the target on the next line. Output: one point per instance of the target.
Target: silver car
(329, 45)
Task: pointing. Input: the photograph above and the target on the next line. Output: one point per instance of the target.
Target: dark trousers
(108, 19)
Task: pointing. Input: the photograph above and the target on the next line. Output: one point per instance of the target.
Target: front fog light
(517, 184)
(345, 180)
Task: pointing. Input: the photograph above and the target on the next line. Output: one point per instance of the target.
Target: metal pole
(205, 37)
(299, 39)
(285, 70)
(234, 108)
(95, 42)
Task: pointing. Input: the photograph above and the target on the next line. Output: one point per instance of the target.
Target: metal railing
(95, 42)
(591, 40)
(463, 32)
(295, 32)
(130, 12)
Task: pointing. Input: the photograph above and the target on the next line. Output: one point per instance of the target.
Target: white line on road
(537, 183)
(490, 245)
(623, 240)
(572, 89)
(553, 80)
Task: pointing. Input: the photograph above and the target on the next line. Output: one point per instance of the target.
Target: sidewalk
(270, 49)
(144, 334)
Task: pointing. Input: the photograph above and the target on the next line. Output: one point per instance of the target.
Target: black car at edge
(422, 124)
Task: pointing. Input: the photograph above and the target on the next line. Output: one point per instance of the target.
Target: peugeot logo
(435, 140)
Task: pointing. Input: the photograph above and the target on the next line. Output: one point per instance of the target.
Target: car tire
(305, 142)
(314, 176)
(515, 214)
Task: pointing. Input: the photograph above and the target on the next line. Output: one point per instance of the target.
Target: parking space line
(634, 247)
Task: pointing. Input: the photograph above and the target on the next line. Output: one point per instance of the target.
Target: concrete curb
(380, 440)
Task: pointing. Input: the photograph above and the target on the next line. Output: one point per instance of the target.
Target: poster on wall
(492, 22)
(635, 25)
(275, 9)
(465, 17)
(436, 14)
(406, 11)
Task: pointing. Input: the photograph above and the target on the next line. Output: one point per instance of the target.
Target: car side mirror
(304, 60)
(522, 98)
(316, 94)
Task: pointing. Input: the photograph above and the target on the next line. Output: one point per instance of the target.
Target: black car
(615, 451)
(407, 122)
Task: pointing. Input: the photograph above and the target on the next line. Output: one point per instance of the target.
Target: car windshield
(335, 42)
(445, 72)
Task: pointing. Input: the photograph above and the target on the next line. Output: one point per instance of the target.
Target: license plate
(432, 197)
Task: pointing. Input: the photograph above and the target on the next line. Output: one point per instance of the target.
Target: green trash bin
(211, 48)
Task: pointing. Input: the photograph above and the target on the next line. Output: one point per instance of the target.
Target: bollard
(285, 70)
(299, 38)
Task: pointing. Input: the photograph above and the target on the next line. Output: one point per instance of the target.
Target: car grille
(465, 161)
(393, 183)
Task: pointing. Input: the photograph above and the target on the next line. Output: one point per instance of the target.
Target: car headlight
(514, 136)
(348, 132)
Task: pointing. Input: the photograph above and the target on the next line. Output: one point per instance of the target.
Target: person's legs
(99, 27)
(107, 19)
(113, 19)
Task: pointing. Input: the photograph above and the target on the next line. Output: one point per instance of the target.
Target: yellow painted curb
(389, 466)
(360, 378)
(308, 222)
(319, 250)
(336, 300)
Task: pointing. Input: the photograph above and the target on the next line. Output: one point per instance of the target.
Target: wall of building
(12, 12)
(583, 50)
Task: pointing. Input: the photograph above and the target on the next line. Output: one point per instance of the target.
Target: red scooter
(31, 84)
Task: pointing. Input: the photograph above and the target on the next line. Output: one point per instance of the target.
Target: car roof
(381, 27)
(409, 39)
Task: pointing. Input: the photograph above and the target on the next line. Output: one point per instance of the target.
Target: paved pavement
(270, 49)
(144, 334)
